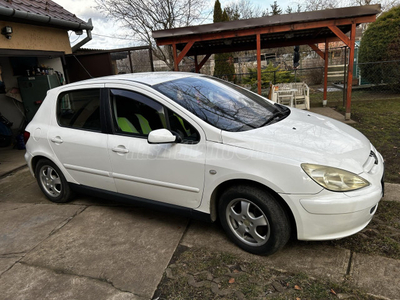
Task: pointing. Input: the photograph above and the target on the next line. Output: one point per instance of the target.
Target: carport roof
(276, 31)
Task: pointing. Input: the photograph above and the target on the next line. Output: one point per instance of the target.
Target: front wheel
(254, 220)
(52, 182)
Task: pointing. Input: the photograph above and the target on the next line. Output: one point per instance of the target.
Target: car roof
(147, 78)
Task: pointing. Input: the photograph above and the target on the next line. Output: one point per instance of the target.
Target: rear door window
(79, 109)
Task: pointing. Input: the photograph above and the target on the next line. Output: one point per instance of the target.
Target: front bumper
(334, 215)
(328, 217)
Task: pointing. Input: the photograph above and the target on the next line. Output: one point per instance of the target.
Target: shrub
(380, 43)
(269, 74)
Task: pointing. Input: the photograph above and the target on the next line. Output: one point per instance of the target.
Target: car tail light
(26, 136)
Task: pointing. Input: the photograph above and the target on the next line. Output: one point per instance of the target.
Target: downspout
(87, 39)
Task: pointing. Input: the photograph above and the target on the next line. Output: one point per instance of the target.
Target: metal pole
(130, 60)
(344, 75)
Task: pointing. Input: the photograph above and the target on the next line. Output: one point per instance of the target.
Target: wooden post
(176, 67)
(350, 71)
(151, 59)
(130, 61)
(259, 63)
(326, 57)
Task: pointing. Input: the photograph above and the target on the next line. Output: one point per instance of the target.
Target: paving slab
(24, 226)
(11, 159)
(25, 282)
(377, 275)
(126, 247)
(14, 181)
(331, 113)
(311, 258)
(392, 192)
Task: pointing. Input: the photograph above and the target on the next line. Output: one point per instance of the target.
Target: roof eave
(35, 19)
(338, 13)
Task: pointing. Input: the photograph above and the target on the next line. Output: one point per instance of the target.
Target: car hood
(305, 137)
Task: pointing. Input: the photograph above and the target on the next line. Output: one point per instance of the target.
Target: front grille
(373, 155)
(371, 162)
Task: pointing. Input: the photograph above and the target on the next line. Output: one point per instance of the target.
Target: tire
(254, 220)
(52, 182)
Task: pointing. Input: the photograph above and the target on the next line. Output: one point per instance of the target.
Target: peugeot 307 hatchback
(209, 149)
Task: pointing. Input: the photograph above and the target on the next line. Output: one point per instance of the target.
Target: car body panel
(158, 171)
(307, 138)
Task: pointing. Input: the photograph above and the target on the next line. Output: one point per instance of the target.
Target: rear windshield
(219, 103)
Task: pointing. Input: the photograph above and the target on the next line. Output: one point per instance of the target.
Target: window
(218, 103)
(137, 114)
(182, 128)
(79, 109)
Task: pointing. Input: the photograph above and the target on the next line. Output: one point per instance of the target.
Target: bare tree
(311, 5)
(243, 9)
(144, 16)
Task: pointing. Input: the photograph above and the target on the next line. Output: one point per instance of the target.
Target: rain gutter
(33, 18)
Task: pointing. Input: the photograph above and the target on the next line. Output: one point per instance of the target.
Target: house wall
(32, 37)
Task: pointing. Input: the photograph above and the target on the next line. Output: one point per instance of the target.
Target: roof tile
(43, 8)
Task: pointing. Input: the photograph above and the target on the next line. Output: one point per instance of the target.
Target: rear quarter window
(79, 109)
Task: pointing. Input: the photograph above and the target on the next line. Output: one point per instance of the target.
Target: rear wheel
(254, 220)
(52, 182)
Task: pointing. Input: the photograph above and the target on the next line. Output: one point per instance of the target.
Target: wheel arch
(36, 159)
(221, 188)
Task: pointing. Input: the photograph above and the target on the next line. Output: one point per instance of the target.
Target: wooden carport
(307, 28)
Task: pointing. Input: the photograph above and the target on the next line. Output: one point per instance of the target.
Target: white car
(209, 149)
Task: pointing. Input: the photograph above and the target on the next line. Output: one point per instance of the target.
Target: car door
(78, 138)
(172, 173)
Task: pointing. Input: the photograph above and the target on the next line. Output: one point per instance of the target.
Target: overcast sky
(108, 34)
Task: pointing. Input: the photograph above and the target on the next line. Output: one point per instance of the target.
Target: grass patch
(202, 274)
(379, 122)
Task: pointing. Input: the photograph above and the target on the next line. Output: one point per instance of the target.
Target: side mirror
(161, 136)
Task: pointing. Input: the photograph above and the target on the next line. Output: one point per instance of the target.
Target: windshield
(219, 103)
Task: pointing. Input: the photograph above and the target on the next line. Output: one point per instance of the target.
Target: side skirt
(142, 202)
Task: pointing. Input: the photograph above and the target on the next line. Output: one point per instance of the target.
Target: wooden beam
(264, 45)
(204, 60)
(350, 71)
(185, 51)
(176, 67)
(340, 35)
(263, 30)
(259, 63)
(316, 49)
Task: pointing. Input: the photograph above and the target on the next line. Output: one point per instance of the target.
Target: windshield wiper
(275, 116)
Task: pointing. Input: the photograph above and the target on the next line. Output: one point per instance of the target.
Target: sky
(109, 34)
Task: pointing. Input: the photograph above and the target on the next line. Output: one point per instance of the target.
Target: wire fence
(371, 80)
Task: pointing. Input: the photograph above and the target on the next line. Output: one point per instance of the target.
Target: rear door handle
(120, 149)
(57, 140)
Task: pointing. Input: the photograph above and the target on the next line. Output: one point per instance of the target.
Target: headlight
(334, 179)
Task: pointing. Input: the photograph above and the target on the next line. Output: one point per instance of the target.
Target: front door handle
(120, 149)
(57, 140)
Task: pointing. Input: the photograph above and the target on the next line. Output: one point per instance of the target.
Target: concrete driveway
(98, 249)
